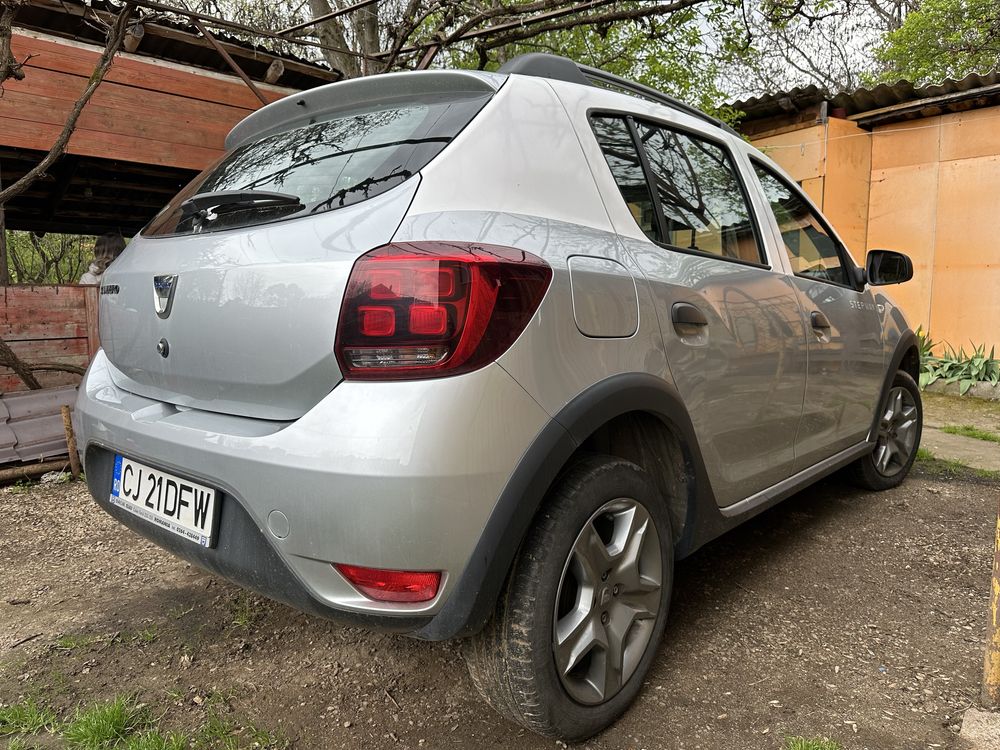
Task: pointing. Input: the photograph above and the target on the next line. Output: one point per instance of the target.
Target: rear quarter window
(343, 159)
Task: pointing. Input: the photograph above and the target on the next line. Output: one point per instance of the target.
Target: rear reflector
(429, 309)
(392, 585)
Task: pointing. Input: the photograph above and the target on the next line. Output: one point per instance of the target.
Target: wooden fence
(48, 324)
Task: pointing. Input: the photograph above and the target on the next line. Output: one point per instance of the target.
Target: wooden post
(74, 457)
(91, 307)
(991, 668)
(4, 271)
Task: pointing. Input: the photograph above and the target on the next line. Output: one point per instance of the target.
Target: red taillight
(427, 309)
(392, 585)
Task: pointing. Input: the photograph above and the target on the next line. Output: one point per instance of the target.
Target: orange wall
(929, 188)
(935, 191)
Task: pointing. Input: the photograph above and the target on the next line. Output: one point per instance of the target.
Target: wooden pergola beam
(229, 60)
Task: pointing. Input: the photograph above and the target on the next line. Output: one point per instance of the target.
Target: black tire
(865, 472)
(512, 661)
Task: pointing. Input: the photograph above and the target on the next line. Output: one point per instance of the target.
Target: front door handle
(686, 314)
(819, 320)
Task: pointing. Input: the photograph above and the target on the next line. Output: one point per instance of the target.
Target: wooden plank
(176, 127)
(190, 83)
(93, 332)
(10, 382)
(30, 330)
(40, 136)
(68, 87)
(63, 350)
(43, 315)
(42, 297)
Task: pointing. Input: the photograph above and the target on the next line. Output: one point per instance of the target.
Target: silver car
(479, 355)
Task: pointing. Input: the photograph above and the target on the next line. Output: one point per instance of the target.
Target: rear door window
(319, 166)
(703, 205)
(683, 191)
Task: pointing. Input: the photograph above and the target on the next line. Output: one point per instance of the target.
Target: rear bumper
(387, 475)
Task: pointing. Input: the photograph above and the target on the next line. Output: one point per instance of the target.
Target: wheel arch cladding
(614, 413)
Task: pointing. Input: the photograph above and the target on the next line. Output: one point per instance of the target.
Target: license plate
(178, 505)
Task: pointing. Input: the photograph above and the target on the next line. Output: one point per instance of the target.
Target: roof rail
(544, 65)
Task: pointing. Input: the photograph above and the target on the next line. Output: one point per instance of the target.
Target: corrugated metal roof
(65, 18)
(864, 100)
(31, 426)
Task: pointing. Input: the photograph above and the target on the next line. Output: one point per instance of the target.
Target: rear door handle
(819, 320)
(686, 314)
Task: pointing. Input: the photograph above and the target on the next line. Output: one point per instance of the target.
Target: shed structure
(909, 169)
(160, 116)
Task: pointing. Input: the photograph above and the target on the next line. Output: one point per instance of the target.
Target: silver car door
(731, 326)
(845, 371)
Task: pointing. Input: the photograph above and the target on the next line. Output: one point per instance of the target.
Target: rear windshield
(342, 159)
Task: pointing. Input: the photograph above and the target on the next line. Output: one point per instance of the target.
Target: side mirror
(887, 267)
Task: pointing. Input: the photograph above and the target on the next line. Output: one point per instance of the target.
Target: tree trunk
(332, 33)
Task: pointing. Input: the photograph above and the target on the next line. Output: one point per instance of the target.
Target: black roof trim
(544, 65)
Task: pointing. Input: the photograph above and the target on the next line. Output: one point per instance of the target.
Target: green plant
(26, 717)
(145, 636)
(801, 743)
(967, 430)
(926, 343)
(106, 725)
(153, 740)
(71, 641)
(959, 367)
(246, 611)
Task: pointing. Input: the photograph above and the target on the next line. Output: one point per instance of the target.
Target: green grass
(940, 467)
(246, 611)
(801, 743)
(106, 725)
(967, 430)
(126, 724)
(153, 740)
(145, 636)
(72, 641)
(26, 717)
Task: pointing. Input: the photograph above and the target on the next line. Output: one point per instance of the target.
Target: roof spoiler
(356, 92)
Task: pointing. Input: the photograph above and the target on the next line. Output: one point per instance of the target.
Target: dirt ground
(844, 614)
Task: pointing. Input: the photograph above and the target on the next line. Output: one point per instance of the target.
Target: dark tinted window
(703, 203)
(811, 249)
(619, 150)
(343, 159)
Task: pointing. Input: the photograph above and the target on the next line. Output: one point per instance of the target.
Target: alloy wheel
(897, 433)
(607, 602)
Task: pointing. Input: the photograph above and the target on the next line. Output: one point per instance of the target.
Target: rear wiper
(229, 200)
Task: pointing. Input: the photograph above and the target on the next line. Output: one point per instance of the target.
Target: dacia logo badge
(163, 293)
